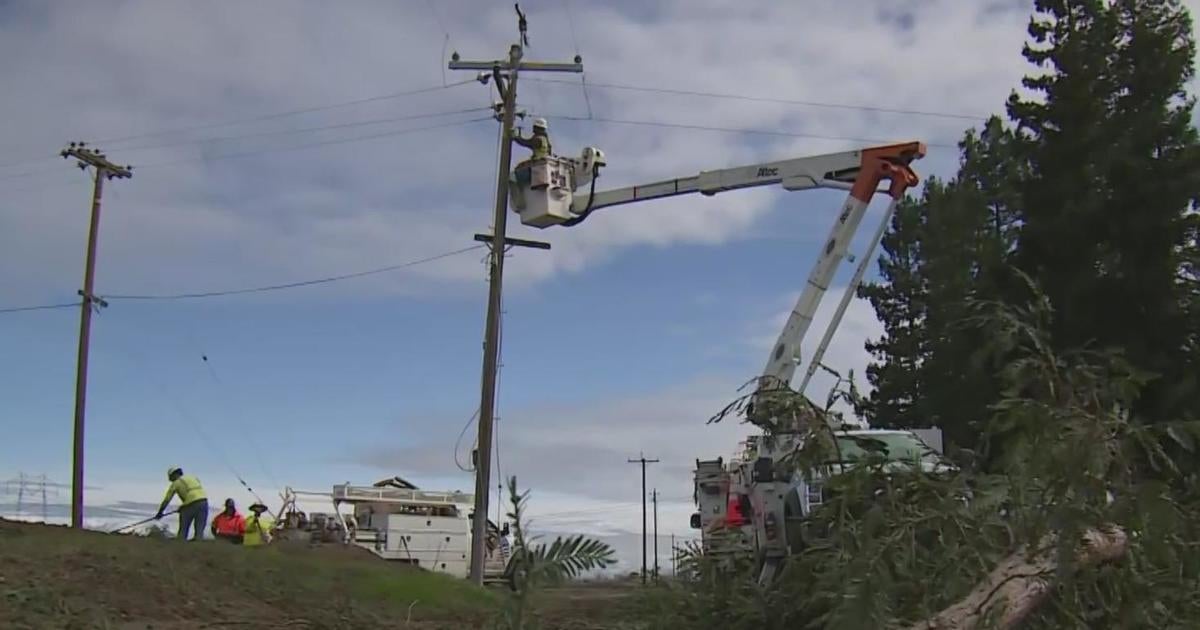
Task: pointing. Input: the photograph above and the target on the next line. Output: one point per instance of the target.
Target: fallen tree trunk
(1019, 584)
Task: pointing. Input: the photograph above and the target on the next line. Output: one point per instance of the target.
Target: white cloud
(276, 217)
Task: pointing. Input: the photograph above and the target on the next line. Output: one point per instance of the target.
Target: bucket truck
(767, 502)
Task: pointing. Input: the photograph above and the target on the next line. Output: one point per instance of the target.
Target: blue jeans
(194, 514)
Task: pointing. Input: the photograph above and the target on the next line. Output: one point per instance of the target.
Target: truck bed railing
(370, 494)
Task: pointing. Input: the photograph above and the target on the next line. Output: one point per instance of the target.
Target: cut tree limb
(1019, 584)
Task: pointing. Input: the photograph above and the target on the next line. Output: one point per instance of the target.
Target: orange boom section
(890, 162)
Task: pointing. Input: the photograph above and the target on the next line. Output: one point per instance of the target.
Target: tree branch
(1019, 584)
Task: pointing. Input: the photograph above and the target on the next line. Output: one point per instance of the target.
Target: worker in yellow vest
(193, 508)
(539, 144)
(258, 527)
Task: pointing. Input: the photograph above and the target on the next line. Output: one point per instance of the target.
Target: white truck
(551, 192)
(743, 507)
(399, 522)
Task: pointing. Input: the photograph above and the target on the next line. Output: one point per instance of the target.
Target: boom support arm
(877, 164)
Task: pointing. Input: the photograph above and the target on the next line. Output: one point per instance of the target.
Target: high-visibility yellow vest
(188, 488)
(257, 530)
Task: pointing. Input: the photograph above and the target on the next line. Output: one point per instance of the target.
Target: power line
(291, 285)
(245, 433)
(285, 114)
(274, 287)
(445, 37)
(765, 132)
(458, 442)
(321, 143)
(767, 99)
(190, 420)
(39, 307)
(587, 100)
(287, 132)
(264, 117)
(295, 147)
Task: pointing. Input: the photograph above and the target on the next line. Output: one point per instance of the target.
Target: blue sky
(624, 338)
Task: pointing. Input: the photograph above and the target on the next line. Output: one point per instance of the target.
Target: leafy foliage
(890, 548)
(1043, 308)
(534, 565)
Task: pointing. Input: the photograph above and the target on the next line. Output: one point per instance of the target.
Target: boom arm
(879, 163)
(834, 170)
(860, 172)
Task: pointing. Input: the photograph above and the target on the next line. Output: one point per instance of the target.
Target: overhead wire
(575, 41)
(321, 143)
(499, 355)
(291, 285)
(445, 39)
(287, 113)
(247, 434)
(259, 118)
(294, 147)
(775, 100)
(193, 422)
(458, 442)
(288, 132)
(260, 289)
(496, 407)
(38, 307)
(765, 132)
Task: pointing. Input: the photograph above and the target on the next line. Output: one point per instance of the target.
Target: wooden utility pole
(654, 497)
(674, 555)
(643, 461)
(105, 169)
(504, 75)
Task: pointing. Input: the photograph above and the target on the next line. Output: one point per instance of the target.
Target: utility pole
(504, 74)
(674, 554)
(654, 497)
(105, 169)
(643, 461)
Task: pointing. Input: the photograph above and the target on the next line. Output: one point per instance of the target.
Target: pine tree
(949, 245)
(1114, 169)
(1092, 193)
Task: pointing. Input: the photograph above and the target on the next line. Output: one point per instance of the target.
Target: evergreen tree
(1091, 194)
(1114, 170)
(949, 245)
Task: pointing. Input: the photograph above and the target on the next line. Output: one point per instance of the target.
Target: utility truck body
(768, 499)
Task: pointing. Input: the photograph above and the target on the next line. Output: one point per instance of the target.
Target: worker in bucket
(229, 525)
(258, 527)
(538, 143)
(193, 509)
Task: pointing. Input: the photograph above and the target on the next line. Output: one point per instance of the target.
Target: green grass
(54, 577)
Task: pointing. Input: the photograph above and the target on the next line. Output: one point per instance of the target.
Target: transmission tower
(33, 487)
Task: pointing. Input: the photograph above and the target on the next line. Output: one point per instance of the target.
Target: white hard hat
(539, 122)
(172, 470)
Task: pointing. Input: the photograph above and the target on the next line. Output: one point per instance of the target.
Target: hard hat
(172, 470)
(539, 122)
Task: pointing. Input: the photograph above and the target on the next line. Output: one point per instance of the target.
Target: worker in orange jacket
(229, 524)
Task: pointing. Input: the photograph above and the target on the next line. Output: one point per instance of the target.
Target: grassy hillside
(52, 577)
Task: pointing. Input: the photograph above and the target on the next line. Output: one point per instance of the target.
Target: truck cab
(777, 506)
